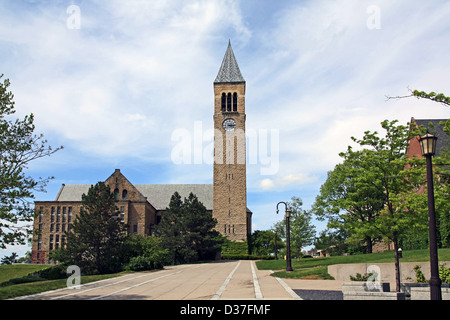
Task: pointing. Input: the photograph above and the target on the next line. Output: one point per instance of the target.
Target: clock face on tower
(229, 124)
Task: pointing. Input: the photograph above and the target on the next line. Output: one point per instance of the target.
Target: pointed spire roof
(229, 70)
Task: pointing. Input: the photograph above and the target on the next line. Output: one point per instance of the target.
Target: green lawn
(316, 268)
(8, 272)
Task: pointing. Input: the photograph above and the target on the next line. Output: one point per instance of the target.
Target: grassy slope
(11, 271)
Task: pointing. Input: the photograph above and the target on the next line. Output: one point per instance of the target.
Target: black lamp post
(276, 255)
(428, 146)
(288, 237)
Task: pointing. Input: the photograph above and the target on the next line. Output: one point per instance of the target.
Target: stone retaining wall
(385, 270)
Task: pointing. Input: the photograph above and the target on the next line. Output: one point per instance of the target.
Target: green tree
(96, 240)
(170, 228)
(144, 252)
(442, 167)
(302, 230)
(18, 147)
(264, 243)
(332, 241)
(348, 202)
(442, 189)
(390, 169)
(199, 227)
(10, 259)
(187, 230)
(387, 179)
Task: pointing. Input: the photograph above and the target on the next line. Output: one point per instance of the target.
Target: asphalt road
(233, 280)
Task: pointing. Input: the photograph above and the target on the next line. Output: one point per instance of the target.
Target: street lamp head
(428, 144)
(288, 213)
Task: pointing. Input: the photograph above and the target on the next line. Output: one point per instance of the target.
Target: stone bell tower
(229, 187)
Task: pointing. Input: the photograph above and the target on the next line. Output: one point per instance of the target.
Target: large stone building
(142, 207)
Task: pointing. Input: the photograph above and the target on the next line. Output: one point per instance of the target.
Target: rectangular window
(52, 227)
(39, 247)
(57, 227)
(122, 213)
(41, 213)
(69, 219)
(64, 214)
(51, 242)
(53, 215)
(58, 214)
(135, 228)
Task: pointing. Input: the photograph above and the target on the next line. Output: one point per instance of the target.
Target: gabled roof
(158, 195)
(229, 70)
(72, 192)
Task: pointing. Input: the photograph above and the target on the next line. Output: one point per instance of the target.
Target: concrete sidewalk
(300, 284)
(245, 281)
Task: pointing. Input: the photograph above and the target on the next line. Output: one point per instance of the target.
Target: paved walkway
(226, 280)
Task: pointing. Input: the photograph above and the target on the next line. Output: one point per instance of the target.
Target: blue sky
(114, 80)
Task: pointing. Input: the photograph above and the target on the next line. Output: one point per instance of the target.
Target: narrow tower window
(224, 102)
(235, 102)
(229, 102)
(124, 194)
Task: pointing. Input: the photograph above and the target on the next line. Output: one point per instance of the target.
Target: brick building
(141, 207)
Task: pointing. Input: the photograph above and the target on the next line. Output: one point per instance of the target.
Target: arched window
(116, 194)
(124, 194)
(229, 102)
(235, 102)
(224, 102)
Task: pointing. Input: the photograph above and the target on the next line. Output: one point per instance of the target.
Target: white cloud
(127, 62)
(267, 184)
(288, 180)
